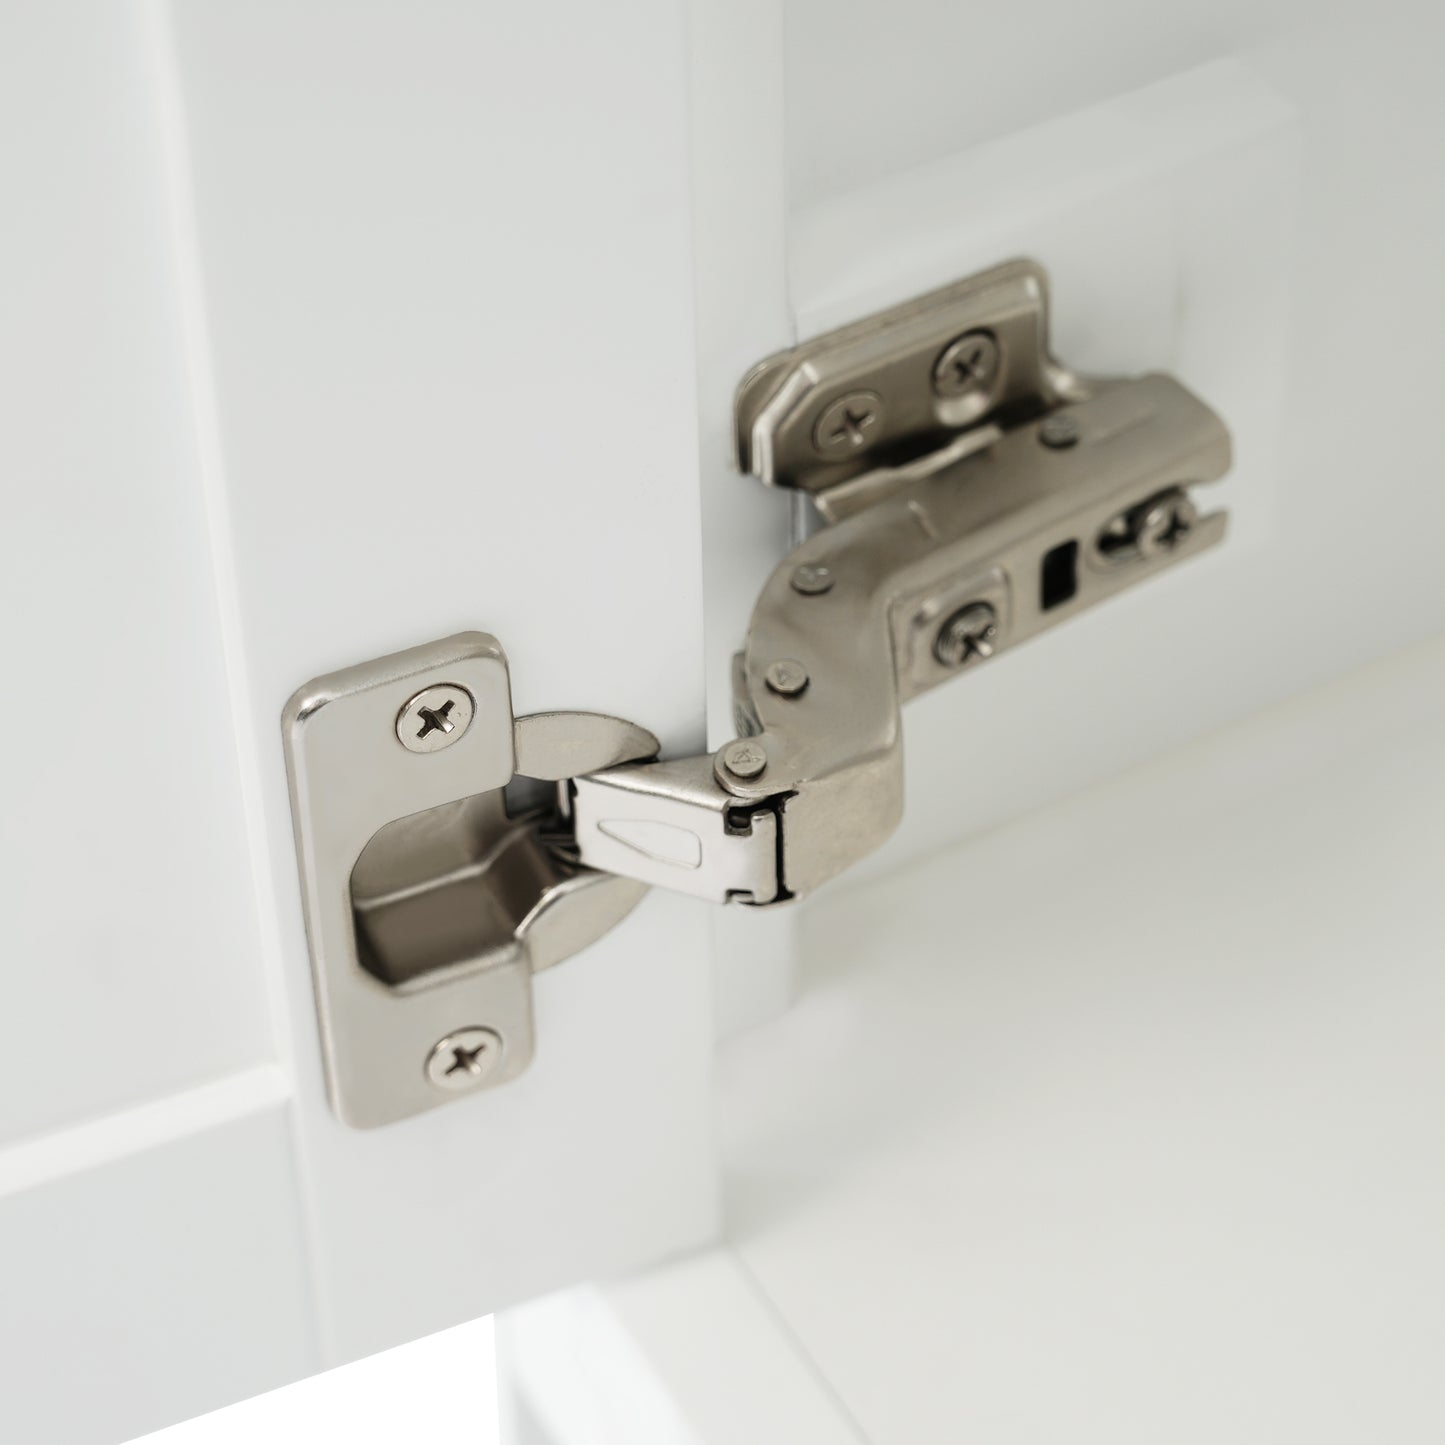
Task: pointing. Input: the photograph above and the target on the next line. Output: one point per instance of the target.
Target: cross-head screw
(464, 1059)
(849, 425)
(1164, 522)
(971, 632)
(435, 718)
(967, 365)
(1154, 526)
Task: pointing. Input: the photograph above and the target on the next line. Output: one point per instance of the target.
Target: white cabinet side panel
(1270, 203)
(1124, 1123)
(1166, 219)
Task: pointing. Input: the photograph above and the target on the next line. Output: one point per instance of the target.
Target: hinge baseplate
(902, 384)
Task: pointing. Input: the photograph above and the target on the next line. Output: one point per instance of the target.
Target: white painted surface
(152, 1248)
(941, 78)
(1125, 1120)
(130, 935)
(154, 1284)
(1121, 1123)
(334, 333)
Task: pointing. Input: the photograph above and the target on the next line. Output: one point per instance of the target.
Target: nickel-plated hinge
(970, 492)
(967, 491)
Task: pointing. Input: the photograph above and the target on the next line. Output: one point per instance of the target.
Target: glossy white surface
(1120, 1123)
(868, 99)
(1126, 1119)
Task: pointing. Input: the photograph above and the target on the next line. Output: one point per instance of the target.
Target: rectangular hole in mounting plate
(1059, 576)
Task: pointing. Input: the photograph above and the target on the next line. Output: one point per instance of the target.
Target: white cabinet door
(332, 329)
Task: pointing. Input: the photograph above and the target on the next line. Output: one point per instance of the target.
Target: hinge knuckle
(672, 825)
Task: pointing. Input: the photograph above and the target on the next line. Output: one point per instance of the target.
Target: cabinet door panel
(342, 328)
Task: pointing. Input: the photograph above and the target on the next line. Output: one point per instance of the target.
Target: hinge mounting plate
(431, 883)
(916, 376)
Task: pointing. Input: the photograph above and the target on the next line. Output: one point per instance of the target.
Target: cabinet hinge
(966, 492)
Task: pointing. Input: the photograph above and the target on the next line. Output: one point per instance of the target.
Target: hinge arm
(1006, 541)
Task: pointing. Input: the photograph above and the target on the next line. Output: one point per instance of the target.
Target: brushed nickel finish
(430, 899)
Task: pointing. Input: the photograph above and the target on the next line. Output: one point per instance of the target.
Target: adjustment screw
(787, 677)
(1059, 430)
(812, 579)
(967, 365)
(435, 718)
(744, 758)
(1163, 523)
(969, 633)
(464, 1059)
(849, 425)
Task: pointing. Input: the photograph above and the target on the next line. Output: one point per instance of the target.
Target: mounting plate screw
(1059, 430)
(464, 1059)
(787, 677)
(849, 425)
(812, 579)
(971, 632)
(744, 758)
(435, 718)
(1163, 523)
(967, 365)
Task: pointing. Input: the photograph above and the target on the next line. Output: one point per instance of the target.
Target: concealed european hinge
(971, 493)
(968, 491)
